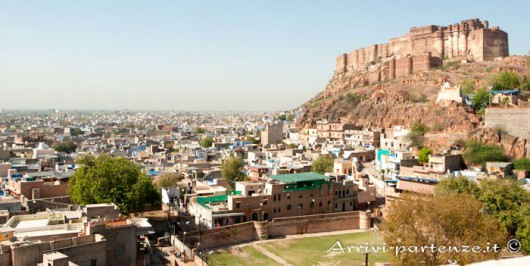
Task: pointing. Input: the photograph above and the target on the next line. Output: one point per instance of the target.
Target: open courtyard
(303, 250)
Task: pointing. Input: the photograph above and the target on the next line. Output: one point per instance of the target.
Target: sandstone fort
(424, 48)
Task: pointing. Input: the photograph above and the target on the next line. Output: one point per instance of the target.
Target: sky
(252, 55)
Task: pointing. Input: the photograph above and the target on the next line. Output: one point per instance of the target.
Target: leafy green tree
(207, 142)
(416, 134)
(522, 164)
(459, 184)
(479, 153)
(200, 130)
(441, 220)
(167, 180)
(231, 171)
(525, 84)
(282, 117)
(418, 127)
(504, 199)
(76, 132)
(66, 146)
(510, 204)
(467, 86)
(423, 155)
(322, 165)
(115, 180)
(507, 80)
(481, 100)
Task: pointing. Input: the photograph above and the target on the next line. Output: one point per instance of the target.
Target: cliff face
(352, 99)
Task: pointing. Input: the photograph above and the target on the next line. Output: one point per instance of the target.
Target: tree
(481, 100)
(504, 199)
(66, 146)
(200, 130)
(207, 142)
(459, 184)
(282, 117)
(76, 132)
(467, 86)
(416, 134)
(424, 153)
(507, 80)
(507, 201)
(479, 153)
(441, 220)
(522, 164)
(231, 171)
(115, 180)
(322, 165)
(167, 180)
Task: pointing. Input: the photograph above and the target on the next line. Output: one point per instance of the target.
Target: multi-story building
(273, 134)
(281, 196)
(365, 138)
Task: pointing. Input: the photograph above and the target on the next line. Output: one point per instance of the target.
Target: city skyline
(212, 57)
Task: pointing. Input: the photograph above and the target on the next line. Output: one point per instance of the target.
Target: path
(271, 255)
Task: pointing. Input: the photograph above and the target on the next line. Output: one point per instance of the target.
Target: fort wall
(514, 120)
(426, 47)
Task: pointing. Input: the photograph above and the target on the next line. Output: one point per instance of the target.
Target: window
(279, 197)
(288, 206)
(274, 198)
(335, 205)
(93, 262)
(300, 196)
(288, 196)
(238, 204)
(273, 210)
(279, 210)
(300, 205)
(320, 204)
(264, 202)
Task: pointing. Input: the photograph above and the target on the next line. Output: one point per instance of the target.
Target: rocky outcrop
(513, 146)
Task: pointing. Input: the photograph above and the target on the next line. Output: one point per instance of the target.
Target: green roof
(294, 178)
(204, 200)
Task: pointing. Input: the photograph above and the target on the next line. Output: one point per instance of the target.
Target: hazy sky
(205, 55)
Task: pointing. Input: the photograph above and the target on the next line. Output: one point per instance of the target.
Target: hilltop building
(424, 48)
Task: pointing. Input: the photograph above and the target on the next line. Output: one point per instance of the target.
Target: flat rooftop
(301, 177)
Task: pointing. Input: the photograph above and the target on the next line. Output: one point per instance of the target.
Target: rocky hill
(350, 98)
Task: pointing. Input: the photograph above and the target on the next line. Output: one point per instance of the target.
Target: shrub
(479, 153)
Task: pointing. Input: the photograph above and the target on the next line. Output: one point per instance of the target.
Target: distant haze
(204, 55)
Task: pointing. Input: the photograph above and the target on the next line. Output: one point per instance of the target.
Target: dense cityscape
(416, 152)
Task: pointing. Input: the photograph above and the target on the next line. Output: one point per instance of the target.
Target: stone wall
(426, 47)
(515, 120)
(278, 227)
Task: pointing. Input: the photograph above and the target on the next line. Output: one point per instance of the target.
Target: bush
(67, 146)
(415, 137)
(424, 154)
(479, 153)
(481, 100)
(467, 86)
(507, 80)
(322, 165)
(353, 99)
(522, 164)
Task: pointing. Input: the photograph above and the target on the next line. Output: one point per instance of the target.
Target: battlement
(426, 47)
